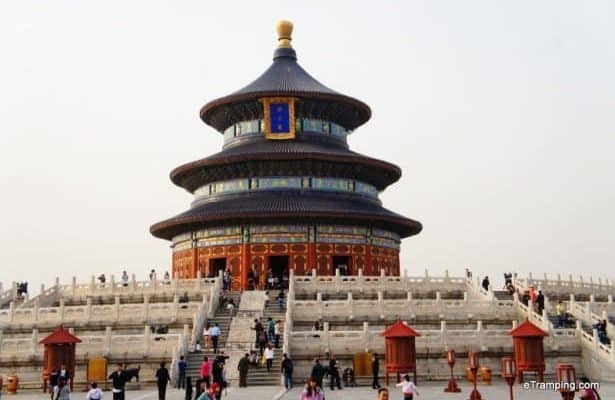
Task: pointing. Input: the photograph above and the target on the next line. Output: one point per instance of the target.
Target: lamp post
(473, 365)
(567, 379)
(508, 373)
(452, 385)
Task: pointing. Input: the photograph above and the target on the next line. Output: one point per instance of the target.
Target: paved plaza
(428, 391)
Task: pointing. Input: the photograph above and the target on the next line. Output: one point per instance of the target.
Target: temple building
(285, 192)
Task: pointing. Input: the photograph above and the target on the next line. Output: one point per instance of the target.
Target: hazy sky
(500, 114)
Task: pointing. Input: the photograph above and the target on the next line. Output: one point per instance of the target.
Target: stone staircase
(259, 376)
(223, 319)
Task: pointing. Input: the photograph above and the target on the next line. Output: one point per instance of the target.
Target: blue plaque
(280, 117)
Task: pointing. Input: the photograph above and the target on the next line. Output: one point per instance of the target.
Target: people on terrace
(312, 391)
(102, 279)
(540, 302)
(125, 278)
(485, 283)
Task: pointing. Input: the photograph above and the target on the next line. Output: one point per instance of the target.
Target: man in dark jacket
(119, 379)
(243, 367)
(375, 371)
(53, 382)
(318, 372)
(287, 370)
(162, 379)
(334, 374)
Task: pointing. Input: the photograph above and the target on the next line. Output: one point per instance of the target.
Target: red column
(245, 265)
(311, 259)
(195, 263)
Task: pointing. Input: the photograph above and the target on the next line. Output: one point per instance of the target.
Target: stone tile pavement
(428, 391)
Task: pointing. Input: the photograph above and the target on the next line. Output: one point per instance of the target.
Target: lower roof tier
(270, 207)
(293, 157)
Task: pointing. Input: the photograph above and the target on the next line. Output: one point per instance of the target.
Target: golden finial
(285, 31)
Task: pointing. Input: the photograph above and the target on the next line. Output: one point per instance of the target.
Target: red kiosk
(400, 349)
(60, 348)
(529, 350)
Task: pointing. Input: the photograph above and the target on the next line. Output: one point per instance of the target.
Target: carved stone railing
(310, 343)
(108, 345)
(110, 314)
(134, 287)
(362, 283)
(570, 285)
(409, 308)
(289, 315)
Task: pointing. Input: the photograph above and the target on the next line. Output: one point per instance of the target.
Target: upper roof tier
(285, 77)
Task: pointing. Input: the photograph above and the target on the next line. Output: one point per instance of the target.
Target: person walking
(408, 388)
(540, 302)
(262, 341)
(63, 390)
(560, 310)
(53, 382)
(243, 367)
(269, 355)
(162, 379)
(181, 372)
(375, 371)
(334, 374)
(287, 371)
(281, 299)
(206, 370)
(318, 372)
(485, 283)
(95, 393)
(271, 329)
(118, 378)
(214, 335)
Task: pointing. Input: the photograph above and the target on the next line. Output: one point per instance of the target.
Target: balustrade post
(350, 305)
(320, 305)
(544, 280)
(1, 338)
(107, 341)
(174, 285)
(34, 344)
(42, 288)
(609, 298)
(184, 348)
(11, 311)
(546, 324)
(514, 324)
(337, 280)
(175, 307)
(313, 272)
(73, 286)
(92, 284)
(381, 304)
(366, 336)
(481, 334)
(595, 336)
(530, 309)
(133, 283)
(88, 309)
(35, 310)
(112, 284)
(465, 296)
(117, 308)
(446, 275)
(57, 281)
(588, 311)
(146, 340)
(145, 307)
(516, 296)
(325, 334)
(61, 312)
(559, 279)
